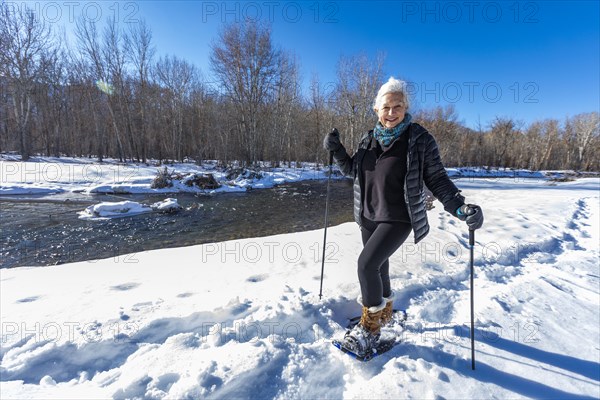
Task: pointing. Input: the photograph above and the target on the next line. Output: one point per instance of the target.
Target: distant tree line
(108, 95)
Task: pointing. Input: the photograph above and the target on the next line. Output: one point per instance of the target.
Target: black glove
(471, 214)
(332, 141)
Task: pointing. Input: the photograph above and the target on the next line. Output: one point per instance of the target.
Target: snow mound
(166, 206)
(25, 188)
(108, 210)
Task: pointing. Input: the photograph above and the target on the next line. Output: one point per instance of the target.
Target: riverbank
(49, 175)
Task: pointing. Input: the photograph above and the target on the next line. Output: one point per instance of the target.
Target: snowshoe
(359, 342)
(359, 345)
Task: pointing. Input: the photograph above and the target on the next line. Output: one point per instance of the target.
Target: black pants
(380, 240)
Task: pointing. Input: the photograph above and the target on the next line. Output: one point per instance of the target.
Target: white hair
(393, 85)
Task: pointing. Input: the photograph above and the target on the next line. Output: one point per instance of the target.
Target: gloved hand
(332, 141)
(471, 214)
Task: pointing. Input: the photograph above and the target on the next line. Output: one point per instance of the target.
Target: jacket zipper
(408, 158)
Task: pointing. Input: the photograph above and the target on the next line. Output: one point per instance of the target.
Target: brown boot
(371, 318)
(364, 337)
(386, 314)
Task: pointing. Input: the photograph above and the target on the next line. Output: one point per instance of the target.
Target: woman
(392, 163)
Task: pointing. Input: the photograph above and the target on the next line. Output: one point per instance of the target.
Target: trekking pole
(471, 245)
(326, 222)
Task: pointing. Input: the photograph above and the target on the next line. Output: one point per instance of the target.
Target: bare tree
(90, 68)
(359, 78)
(245, 62)
(26, 51)
(449, 133)
(281, 113)
(319, 118)
(113, 57)
(178, 77)
(52, 105)
(586, 130)
(541, 142)
(503, 132)
(140, 52)
(4, 115)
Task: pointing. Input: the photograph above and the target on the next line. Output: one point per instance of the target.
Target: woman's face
(392, 110)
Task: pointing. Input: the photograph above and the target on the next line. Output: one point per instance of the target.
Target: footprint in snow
(164, 382)
(125, 286)
(443, 377)
(256, 278)
(28, 299)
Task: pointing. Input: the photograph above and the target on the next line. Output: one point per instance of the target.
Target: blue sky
(528, 60)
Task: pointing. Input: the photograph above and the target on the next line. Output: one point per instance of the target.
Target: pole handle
(331, 158)
(471, 237)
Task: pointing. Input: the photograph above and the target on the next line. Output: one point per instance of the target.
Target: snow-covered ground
(243, 319)
(48, 175)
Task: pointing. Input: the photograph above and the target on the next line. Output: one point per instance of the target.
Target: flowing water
(46, 230)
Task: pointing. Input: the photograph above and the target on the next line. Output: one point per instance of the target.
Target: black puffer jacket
(424, 166)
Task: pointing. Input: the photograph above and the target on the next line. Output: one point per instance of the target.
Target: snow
(50, 175)
(120, 209)
(166, 206)
(243, 318)
(114, 209)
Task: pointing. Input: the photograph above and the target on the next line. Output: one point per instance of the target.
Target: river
(46, 230)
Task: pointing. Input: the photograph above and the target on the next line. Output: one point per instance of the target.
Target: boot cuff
(390, 297)
(378, 308)
(372, 309)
